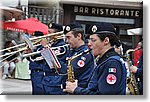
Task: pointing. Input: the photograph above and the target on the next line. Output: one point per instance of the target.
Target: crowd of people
(101, 71)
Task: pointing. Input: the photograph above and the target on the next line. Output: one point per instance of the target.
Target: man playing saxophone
(82, 66)
(109, 76)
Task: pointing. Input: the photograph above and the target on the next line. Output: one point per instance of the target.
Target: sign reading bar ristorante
(107, 11)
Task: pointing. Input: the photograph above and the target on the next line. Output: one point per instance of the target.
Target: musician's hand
(27, 51)
(44, 42)
(16, 61)
(71, 86)
(133, 69)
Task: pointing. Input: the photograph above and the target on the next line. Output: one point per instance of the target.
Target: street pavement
(15, 87)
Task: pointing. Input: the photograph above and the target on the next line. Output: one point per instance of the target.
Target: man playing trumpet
(36, 67)
(53, 78)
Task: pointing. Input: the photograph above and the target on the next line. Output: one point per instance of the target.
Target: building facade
(123, 15)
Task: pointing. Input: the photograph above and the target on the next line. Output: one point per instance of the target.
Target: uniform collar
(58, 41)
(109, 53)
(80, 48)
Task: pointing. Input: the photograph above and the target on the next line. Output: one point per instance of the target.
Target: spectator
(9, 62)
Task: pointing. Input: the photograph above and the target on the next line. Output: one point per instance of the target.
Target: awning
(8, 13)
(135, 31)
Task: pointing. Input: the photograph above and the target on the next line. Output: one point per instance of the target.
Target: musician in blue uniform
(138, 71)
(53, 78)
(84, 64)
(36, 67)
(109, 76)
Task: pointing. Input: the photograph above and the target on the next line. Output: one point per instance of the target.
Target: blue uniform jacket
(52, 80)
(139, 74)
(37, 73)
(36, 65)
(44, 78)
(109, 76)
(61, 58)
(82, 65)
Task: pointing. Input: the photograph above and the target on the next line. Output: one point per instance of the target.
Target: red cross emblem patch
(111, 79)
(81, 63)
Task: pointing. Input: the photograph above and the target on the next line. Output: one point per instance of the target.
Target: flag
(113, 70)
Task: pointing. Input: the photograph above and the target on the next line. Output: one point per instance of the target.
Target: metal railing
(44, 14)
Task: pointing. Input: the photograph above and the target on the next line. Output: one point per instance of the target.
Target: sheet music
(50, 58)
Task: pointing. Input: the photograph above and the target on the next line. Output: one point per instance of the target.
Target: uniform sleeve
(110, 78)
(62, 53)
(140, 67)
(139, 72)
(39, 48)
(63, 68)
(84, 91)
(92, 86)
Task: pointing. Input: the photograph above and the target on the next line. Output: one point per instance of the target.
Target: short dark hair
(76, 31)
(7, 43)
(37, 33)
(113, 39)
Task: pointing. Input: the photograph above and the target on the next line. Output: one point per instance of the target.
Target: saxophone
(131, 80)
(70, 70)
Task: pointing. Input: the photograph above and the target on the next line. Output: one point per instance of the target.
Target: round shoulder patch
(80, 63)
(111, 79)
(57, 52)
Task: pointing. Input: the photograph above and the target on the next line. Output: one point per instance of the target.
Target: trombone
(50, 37)
(53, 37)
(38, 52)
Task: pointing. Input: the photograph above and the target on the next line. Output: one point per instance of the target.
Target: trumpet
(50, 37)
(52, 48)
(36, 40)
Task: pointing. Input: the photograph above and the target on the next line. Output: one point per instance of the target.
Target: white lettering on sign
(81, 9)
(106, 11)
